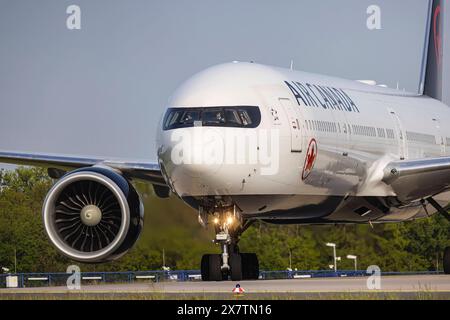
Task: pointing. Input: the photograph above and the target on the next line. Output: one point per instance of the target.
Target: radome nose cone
(199, 170)
(195, 153)
(206, 155)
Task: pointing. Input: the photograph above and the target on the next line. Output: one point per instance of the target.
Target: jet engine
(93, 215)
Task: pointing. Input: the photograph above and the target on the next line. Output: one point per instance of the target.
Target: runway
(403, 286)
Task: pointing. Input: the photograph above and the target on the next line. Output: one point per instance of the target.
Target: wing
(417, 179)
(149, 172)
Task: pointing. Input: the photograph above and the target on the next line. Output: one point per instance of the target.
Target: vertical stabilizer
(437, 79)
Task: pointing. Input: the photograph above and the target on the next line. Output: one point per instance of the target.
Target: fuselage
(313, 153)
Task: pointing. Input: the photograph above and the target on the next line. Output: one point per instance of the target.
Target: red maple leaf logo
(310, 159)
(437, 35)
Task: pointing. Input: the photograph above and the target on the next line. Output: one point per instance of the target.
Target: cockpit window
(213, 117)
(239, 117)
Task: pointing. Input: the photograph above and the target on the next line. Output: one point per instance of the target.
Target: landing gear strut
(230, 263)
(443, 212)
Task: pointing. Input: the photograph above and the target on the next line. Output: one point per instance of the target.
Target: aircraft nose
(198, 170)
(193, 152)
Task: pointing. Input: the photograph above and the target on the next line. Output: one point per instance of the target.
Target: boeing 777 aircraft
(313, 150)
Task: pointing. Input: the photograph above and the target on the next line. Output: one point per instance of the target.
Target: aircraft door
(343, 132)
(440, 137)
(401, 135)
(293, 115)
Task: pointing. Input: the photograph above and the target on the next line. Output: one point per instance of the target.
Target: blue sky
(100, 90)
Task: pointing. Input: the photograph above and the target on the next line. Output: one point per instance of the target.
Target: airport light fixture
(333, 245)
(355, 258)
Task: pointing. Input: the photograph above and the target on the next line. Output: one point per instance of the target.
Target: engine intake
(93, 215)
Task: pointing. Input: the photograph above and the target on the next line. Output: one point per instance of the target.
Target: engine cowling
(93, 215)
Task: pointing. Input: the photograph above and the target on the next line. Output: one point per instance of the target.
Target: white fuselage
(356, 129)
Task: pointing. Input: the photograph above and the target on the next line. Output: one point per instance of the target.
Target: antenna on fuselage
(292, 65)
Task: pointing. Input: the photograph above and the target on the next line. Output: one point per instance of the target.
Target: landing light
(216, 220)
(230, 220)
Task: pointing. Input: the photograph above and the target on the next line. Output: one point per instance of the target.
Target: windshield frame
(245, 117)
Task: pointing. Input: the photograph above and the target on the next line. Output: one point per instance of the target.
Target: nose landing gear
(230, 263)
(241, 266)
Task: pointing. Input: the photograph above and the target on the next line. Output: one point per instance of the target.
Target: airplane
(314, 150)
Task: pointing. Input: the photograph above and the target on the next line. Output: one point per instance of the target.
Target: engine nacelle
(93, 215)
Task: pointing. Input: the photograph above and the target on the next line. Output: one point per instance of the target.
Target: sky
(100, 91)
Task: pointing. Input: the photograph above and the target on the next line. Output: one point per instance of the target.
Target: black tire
(255, 267)
(447, 260)
(236, 267)
(224, 276)
(250, 266)
(215, 271)
(246, 266)
(204, 267)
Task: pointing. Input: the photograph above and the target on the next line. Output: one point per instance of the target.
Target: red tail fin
(437, 81)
